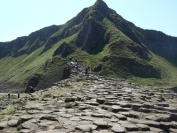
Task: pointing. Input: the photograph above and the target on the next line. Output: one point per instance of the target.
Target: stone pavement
(96, 104)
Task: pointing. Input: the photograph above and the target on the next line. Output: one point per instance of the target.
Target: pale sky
(21, 17)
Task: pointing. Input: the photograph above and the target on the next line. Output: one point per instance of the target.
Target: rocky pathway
(95, 104)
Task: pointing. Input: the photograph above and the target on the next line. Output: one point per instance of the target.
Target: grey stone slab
(53, 131)
(145, 110)
(97, 115)
(116, 108)
(29, 125)
(173, 130)
(69, 124)
(102, 131)
(66, 115)
(47, 111)
(44, 123)
(102, 124)
(25, 131)
(26, 117)
(150, 123)
(118, 129)
(75, 119)
(127, 114)
(159, 117)
(171, 109)
(3, 125)
(143, 127)
(125, 105)
(134, 114)
(49, 117)
(120, 116)
(33, 111)
(130, 127)
(156, 130)
(86, 128)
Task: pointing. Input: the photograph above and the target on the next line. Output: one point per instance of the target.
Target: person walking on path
(71, 60)
(86, 70)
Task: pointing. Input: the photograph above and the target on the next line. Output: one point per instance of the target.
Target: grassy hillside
(22, 67)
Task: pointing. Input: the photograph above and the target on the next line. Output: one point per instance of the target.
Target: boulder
(118, 129)
(12, 123)
(3, 125)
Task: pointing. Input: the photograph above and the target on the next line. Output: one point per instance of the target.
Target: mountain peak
(100, 5)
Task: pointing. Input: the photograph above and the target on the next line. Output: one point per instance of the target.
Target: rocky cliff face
(158, 42)
(161, 44)
(91, 36)
(64, 50)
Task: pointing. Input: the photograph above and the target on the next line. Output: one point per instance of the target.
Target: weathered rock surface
(96, 104)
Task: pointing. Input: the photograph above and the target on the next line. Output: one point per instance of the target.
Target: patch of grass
(8, 111)
(48, 95)
(21, 104)
(13, 97)
(173, 125)
(19, 127)
(11, 109)
(1, 117)
(66, 85)
(79, 80)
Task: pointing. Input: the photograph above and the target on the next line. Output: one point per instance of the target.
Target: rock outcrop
(32, 83)
(64, 50)
(159, 43)
(53, 77)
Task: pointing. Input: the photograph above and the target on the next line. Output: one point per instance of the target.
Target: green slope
(22, 67)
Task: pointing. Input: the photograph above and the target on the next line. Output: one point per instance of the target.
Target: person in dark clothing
(71, 60)
(86, 70)
(31, 89)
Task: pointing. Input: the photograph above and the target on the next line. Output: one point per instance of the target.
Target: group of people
(76, 64)
(73, 62)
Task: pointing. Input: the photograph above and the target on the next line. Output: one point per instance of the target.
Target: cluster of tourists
(76, 64)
